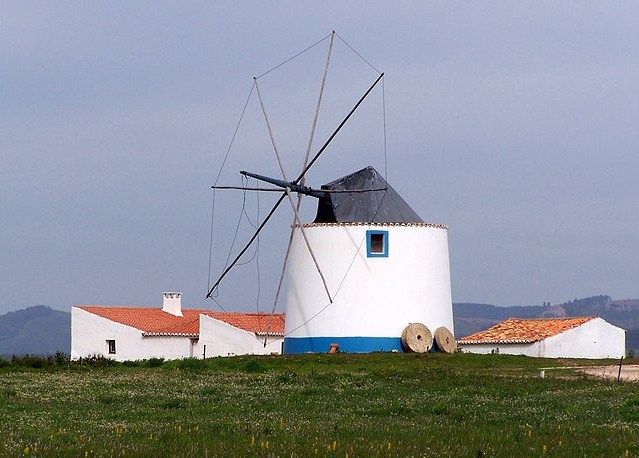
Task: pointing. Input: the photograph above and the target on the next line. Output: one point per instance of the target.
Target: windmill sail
(296, 181)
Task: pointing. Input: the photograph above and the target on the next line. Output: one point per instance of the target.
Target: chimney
(172, 303)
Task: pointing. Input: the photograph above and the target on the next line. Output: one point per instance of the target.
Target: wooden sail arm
(286, 184)
(330, 139)
(308, 244)
(294, 182)
(323, 191)
(248, 245)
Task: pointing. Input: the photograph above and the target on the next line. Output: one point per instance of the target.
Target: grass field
(317, 405)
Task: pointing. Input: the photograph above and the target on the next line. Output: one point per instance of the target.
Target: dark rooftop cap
(381, 206)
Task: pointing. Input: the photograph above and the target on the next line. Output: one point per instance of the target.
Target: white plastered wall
(595, 339)
(531, 349)
(373, 296)
(89, 335)
(222, 339)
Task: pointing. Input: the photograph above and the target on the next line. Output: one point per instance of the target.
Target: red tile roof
(259, 323)
(156, 322)
(516, 330)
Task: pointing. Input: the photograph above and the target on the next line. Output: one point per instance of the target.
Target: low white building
(584, 337)
(170, 332)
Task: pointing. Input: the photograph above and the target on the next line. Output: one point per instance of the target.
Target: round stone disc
(416, 338)
(445, 340)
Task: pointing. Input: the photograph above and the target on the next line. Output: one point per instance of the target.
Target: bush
(97, 361)
(154, 362)
(33, 362)
(253, 365)
(58, 359)
(187, 364)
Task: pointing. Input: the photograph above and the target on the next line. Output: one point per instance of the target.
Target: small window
(111, 346)
(377, 244)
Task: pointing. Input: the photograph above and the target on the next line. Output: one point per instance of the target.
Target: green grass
(317, 405)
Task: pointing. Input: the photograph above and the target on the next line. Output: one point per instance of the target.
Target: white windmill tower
(386, 267)
(368, 274)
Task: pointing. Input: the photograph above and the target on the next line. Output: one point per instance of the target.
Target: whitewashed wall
(531, 349)
(222, 339)
(379, 296)
(89, 335)
(596, 339)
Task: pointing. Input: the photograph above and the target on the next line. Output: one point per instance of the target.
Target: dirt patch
(629, 373)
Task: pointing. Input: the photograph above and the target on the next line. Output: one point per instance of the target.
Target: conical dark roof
(383, 206)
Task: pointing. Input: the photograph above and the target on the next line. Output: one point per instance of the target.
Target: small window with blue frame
(377, 244)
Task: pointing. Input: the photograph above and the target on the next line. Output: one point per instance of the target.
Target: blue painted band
(294, 345)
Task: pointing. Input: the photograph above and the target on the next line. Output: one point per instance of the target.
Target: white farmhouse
(584, 337)
(170, 332)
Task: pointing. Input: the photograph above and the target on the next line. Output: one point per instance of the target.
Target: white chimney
(172, 303)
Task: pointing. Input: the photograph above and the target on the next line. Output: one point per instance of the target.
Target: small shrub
(59, 358)
(33, 362)
(311, 391)
(440, 409)
(253, 366)
(630, 409)
(106, 400)
(97, 361)
(172, 404)
(9, 393)
(287, 377)
(210, 391)
(189, 363)
(154, 362)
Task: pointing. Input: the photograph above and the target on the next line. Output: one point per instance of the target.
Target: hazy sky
(514, 123)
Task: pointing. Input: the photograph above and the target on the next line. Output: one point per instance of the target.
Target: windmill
(345, 289)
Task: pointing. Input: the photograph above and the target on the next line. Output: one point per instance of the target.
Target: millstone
(445, 340)
(416, 338)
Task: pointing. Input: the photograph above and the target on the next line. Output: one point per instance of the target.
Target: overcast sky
(514, 123)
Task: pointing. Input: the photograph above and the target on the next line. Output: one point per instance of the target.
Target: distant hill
(38, 330)
(41, 330)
